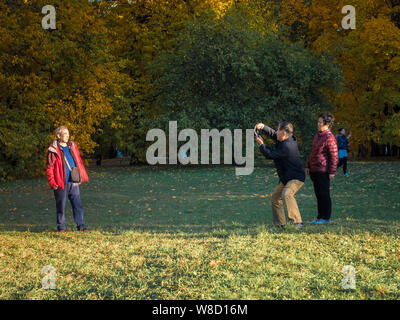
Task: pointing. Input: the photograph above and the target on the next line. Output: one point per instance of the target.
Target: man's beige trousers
(287, 193)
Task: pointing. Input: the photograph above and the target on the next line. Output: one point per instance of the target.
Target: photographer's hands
(258, 127)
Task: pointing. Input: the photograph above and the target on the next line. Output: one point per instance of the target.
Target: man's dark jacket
(286, 157)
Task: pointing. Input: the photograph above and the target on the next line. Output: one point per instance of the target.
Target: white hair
(59, 130)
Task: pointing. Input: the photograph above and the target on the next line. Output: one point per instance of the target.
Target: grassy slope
(201, 233)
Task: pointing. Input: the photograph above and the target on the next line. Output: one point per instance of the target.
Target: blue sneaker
(346, 175)
(321, 221)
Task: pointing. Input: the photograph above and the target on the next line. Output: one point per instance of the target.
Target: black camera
(257, 134)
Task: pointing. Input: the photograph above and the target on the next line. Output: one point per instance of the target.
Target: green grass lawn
(201, 233)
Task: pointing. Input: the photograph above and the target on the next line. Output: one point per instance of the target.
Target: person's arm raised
(269, 132)
(348, 137)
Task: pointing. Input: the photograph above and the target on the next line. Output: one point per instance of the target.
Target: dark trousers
(343, 161)
(321, 188)
(72, 192)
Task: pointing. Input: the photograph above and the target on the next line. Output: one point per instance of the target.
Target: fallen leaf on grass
(215, 262)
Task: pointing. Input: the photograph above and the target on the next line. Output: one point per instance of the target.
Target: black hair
(328, 118)
(287, 127)
(340, 130)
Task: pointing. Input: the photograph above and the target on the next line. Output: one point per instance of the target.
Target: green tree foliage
(227, 74)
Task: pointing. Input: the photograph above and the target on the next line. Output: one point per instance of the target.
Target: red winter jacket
(56, 170)
(324, 153)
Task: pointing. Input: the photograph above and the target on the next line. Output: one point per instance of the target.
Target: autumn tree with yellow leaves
(94, 72)
(369, 103)
(49, 78)
(89, 73)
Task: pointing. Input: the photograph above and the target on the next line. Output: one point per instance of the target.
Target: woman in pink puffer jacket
(322, 165)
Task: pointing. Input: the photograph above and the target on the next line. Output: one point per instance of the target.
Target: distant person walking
(65, 172)
(322, 165)
(343, 147)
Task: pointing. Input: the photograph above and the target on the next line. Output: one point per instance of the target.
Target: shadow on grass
(339, 227)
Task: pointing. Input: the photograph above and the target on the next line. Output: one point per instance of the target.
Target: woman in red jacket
(322, 165)
(63, 155)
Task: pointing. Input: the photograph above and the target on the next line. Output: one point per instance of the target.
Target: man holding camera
(65, 172)
(290, 170)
